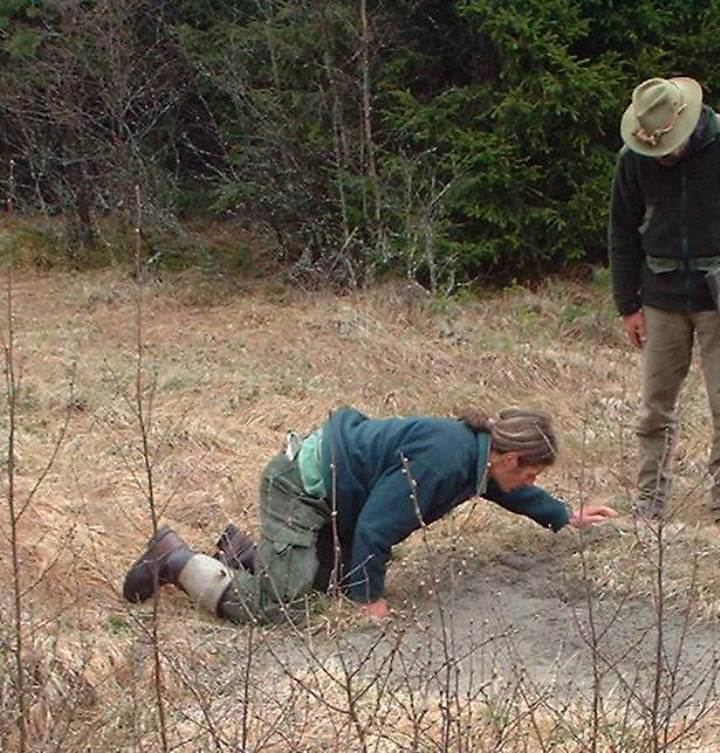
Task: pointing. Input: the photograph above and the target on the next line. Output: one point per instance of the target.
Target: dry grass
(232, 368)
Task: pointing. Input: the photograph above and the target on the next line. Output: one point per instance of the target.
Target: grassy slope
(231, 368)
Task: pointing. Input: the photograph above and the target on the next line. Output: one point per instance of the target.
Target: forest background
(453, 141)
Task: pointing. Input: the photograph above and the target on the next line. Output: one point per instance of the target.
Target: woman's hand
(589, 514)
(376, 610)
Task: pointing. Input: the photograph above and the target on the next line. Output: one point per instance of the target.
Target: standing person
(387, 477)
(664, 237)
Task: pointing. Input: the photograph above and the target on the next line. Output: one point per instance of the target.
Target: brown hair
(526, 431)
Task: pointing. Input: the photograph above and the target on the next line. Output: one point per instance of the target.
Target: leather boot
(165, 555)
(236, 549)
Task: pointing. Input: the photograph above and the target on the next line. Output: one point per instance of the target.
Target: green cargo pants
(666, 361)
(286, 562)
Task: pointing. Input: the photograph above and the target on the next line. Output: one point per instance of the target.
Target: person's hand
(634, 326)
(589, 514)
(376, 610)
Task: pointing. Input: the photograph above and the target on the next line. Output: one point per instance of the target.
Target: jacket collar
(704, 133)
(483, 445)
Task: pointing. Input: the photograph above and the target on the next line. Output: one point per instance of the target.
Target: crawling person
(357, 487)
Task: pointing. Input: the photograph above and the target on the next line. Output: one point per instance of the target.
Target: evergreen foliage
(450, 140)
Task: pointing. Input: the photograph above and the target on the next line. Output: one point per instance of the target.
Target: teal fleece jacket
(363, 468)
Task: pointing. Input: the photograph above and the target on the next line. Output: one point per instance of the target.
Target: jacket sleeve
(627, 212)
(389, 516)
(533, 502)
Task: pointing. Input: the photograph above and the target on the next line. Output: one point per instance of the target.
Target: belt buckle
(293, 442)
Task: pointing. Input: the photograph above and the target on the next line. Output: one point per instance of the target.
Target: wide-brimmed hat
(662, 115)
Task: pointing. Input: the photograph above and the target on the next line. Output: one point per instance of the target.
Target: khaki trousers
(287, 559)
(666, 360)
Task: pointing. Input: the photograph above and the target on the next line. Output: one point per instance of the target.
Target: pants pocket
(288, 564)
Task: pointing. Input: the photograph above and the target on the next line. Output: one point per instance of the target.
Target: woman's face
(509, 474)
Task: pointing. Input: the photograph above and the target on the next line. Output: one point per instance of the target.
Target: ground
(163, 399)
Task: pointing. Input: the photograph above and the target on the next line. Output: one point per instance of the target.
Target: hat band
(653, 137)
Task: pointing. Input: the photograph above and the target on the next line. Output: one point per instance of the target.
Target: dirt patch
(518, 619)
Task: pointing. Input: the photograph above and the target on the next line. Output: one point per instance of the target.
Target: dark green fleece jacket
(362, 460)
(665, 225)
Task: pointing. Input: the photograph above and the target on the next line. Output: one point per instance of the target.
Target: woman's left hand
(589, 514)
(377, 611)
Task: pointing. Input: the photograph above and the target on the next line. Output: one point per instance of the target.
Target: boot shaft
(164, 558)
